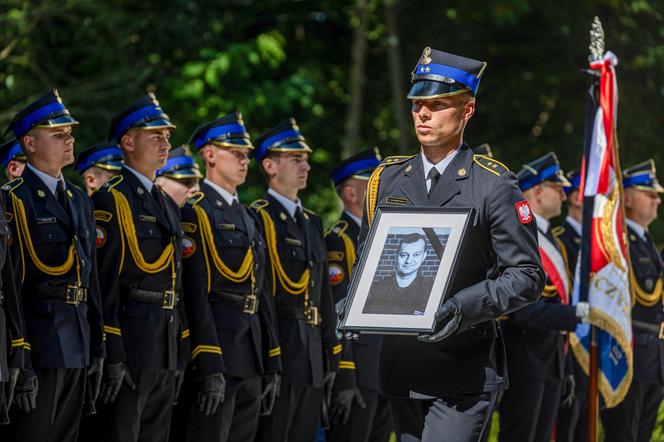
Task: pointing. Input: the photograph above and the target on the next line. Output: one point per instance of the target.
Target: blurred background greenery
(341, 68)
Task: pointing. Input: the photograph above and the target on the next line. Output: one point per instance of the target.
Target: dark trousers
(59, 408)
(236, 418)
(372, 424)
(295, 415)
(144, 414)
(528, 410)
(634, 418)
(451, 419)
(572, 424)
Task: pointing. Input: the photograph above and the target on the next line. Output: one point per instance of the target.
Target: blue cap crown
(11, 150)
(105, 155)
(439, 74)
(285, 137)
(227, 131)
(545, 168)
(574, 177)
(360, 165)
(47, 111)
(144, 113)
(180, 165)
(642, 176)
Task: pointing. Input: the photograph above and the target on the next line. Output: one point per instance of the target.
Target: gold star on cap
(461, 172)
(426, 55)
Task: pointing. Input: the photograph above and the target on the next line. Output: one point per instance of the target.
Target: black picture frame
(380, 316)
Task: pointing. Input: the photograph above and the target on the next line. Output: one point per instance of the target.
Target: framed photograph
(405, 269)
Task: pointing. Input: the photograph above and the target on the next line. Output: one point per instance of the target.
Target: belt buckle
(312, 317)
(661, 331)
(250, 304)
(169, 300)
(71, 295)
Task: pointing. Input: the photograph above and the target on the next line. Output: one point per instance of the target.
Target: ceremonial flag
(602, 273)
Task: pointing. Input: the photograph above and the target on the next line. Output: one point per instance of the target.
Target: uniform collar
(441, 165)
(575, 224)
(145, 181)
(638, 228)
(225, 194)
(290, 205)
(542, 223)
(50, 182)
(357, 220)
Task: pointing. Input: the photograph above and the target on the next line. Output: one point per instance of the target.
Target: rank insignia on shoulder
(100, 238)
(259, 204)
(389, 161)
(69, 194)
(335, 274)
(335, 256)
(188, 247)
(103, 215)
(557, 231)
(13, 184)
(188, 227)
(523, 211)
(493, 166)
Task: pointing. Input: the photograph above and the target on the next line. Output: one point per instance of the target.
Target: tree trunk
(397, 89)
(356, 86)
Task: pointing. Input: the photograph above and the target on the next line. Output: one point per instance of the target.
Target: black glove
(13, 379)
(112, 378)
(211, 393)
(179, 378)
(342, 401)
(328, 384)
(271, 389)
(450, 315)
(568, 392)
(27, 388)
(95, 372)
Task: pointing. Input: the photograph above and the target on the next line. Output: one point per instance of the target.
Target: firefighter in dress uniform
(97, 164)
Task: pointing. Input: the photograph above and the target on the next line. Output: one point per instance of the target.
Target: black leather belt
(70, 294)
(247, 303)
(297, 312)
(653, 329)
(167, 299)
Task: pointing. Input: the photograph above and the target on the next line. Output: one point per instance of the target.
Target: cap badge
(426, 55)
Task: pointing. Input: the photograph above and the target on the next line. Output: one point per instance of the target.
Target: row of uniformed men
(548, 388)
(159, 288)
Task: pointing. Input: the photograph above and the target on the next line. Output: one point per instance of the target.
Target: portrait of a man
(406, 291)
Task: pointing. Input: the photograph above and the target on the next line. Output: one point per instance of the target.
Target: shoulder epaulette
(311, 212)
(112, 182)
(338, 228)
(493, 166)
(259, 204)
(13, 184)
(397, 159)
(196, 198)
(557, 231)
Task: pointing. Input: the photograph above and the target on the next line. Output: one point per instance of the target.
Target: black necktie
(61, 194)
(156, 194)
(434, 175)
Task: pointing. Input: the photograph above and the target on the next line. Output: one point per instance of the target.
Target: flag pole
(596, 49)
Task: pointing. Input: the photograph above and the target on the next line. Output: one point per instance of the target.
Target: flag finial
(596, 47)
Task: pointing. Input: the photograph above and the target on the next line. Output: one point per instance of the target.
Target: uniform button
(230, 241)
(311, 263)
(150, 231)
(170, 319)
(255, 266)
(50, 236)
(313, 284)
(87, 232)
(253, 243)
(177, 265)
(82, 263)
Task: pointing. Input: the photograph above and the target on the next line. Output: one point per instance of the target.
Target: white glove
(583, 312)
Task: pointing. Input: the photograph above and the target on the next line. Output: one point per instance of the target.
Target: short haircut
(411, 238)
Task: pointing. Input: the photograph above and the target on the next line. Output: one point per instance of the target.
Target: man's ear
(28, 142)
(127, 142)
(469, 110)
(90, 181)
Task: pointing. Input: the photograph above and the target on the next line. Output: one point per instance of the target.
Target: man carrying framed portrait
(444, 383)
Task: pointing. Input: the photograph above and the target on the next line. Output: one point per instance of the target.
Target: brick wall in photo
(388, 257)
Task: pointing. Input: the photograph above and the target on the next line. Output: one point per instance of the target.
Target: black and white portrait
(406, 271)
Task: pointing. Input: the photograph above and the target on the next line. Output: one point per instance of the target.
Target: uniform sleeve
(520, 277)
(110, 255)
(206, 349)
(543, 315)
(12, 305)
(95, 317)
(339, 276)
